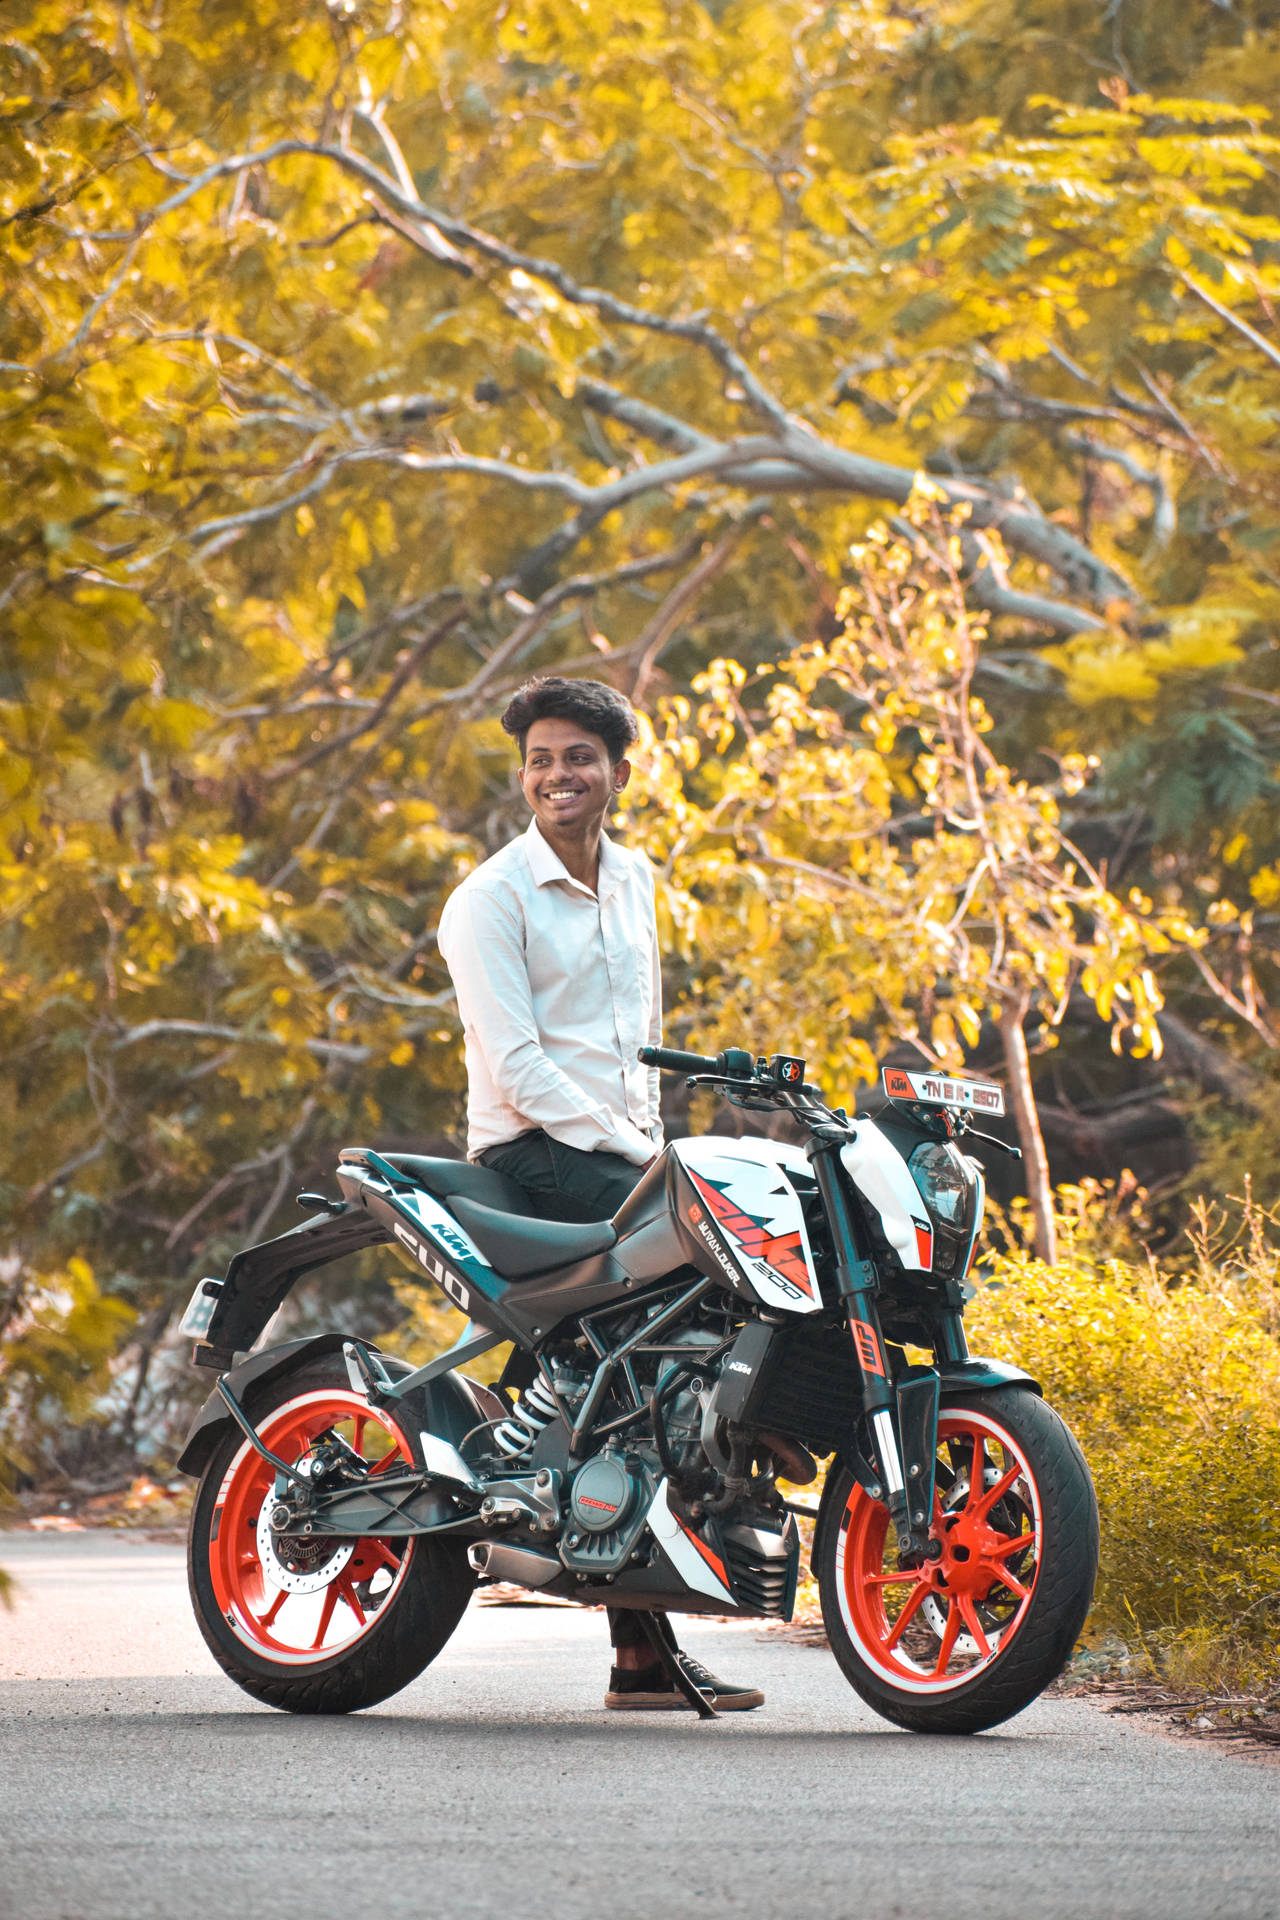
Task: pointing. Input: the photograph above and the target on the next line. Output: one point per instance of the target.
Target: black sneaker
(647, 1689)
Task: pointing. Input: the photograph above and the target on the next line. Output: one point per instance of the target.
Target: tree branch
(649, 421)
(206, 1030)
(403, 673)
(213, 535)
(790, 458)
(1232, 319)
(410, 207)
(1164, 515)
(678, 602)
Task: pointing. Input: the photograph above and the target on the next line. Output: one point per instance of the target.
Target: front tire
(959, 1643)
(323, 1627)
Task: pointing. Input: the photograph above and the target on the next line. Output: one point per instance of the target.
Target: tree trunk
(1034, 1158)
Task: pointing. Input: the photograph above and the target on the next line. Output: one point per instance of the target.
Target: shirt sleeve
(483, 947)
(655, 1030)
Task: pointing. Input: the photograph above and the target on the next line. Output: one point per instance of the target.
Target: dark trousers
(564, 1183)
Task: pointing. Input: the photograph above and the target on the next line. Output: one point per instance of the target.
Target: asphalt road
(138, 1782)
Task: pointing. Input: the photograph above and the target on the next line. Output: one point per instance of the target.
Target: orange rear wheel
(294, 1600)
(321, 1625)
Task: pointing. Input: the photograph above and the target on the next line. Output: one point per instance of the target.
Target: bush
(1170, 1380)
(58, 1334)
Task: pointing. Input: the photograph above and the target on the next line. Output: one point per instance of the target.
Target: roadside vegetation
(1168, 1372)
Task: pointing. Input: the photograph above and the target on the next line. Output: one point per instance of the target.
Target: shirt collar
(546, 865)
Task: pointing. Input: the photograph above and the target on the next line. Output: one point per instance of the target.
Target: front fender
(450, 1406)
(955, 1377)
(979, 1375)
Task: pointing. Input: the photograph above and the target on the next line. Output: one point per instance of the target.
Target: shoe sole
(676, 1703)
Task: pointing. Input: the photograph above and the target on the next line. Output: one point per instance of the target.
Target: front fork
(902, 1415)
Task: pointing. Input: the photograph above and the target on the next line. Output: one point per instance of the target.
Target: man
(553, 950)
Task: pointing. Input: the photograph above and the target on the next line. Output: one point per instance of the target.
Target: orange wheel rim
(298, 1602)
(932, 1627)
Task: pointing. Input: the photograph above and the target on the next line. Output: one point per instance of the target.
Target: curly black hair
(599, 709)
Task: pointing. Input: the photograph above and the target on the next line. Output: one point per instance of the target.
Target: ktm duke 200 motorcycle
(751, 1308)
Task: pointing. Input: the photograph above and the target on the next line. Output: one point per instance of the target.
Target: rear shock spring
(532, 1412)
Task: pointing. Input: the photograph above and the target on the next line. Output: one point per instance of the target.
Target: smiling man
(553, 950)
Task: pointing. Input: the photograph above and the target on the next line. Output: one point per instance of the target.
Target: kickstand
(672, 1662)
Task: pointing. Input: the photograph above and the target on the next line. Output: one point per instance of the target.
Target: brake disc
(292, 1564)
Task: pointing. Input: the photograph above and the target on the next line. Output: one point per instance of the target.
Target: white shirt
(558, 988)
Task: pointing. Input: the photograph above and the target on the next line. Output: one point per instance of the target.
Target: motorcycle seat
(519, 1247)
(448, 1180)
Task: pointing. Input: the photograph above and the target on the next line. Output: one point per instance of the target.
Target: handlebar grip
(672, 1060)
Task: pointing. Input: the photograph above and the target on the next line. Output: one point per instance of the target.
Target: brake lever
(1014, 1153)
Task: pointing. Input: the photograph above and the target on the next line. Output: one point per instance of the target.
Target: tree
(847, 850)
(354, 361)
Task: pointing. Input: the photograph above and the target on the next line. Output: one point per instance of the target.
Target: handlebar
(672, 1060)
(746, 1080)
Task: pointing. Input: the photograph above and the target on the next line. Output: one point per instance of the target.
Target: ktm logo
(783, 1252)
(436, 1268)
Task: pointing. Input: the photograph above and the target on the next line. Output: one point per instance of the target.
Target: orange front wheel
(970, 1634)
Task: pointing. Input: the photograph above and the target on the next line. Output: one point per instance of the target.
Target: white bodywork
(690, 1560)
(751, 1215)
(880, 1174)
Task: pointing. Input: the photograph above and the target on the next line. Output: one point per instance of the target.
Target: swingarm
(331, 1493)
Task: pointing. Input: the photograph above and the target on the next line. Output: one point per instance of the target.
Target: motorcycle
(675, 1374)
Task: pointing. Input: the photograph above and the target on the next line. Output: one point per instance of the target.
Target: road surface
(138, 1782)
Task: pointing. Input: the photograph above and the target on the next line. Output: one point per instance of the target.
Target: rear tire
(331, 1626)
(959, 1644)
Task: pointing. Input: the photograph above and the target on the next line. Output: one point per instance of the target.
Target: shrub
(1170, 1380)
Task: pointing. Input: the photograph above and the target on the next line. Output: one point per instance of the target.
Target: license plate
(943, 1090)
(195, 1321)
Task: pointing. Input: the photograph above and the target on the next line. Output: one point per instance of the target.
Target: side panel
(427, 1232)
(739, 1203)
(698, 1565)
(880, 1174)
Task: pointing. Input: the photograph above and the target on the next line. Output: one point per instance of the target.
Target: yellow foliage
(55, 1353)
(1170, 1380)
(1110, 666)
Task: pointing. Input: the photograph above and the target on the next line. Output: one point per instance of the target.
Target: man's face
(567, 776)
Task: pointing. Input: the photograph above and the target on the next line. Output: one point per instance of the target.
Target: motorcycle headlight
(947, 1184)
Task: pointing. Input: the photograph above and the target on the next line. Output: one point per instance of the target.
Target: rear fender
(450, 1406)
(259, 1278)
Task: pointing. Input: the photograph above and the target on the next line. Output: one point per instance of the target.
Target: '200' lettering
(436, 1268)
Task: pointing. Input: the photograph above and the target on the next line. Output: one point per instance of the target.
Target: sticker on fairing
(698, 1565)
(440, 1233)
(748, 1213)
